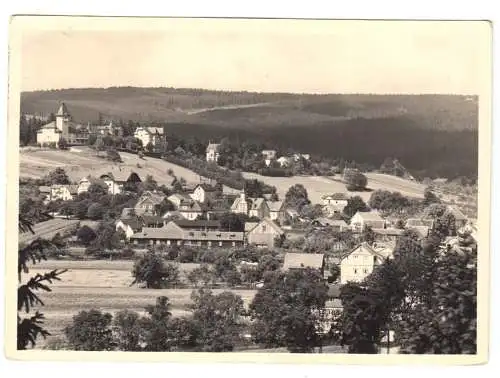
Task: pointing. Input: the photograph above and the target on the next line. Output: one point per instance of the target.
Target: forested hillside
(432, 135)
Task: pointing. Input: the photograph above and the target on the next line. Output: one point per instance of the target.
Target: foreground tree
(30, 328)
(152, 270)
(217, 320)
(286, 310)
(156, 326)
(90, 331)
(127, 330)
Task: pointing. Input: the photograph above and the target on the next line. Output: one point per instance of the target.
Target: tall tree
(297, 197)
(286, 310)
(91, 331)
(354, 204)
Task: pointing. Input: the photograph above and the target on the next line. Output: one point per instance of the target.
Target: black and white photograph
(251, 187)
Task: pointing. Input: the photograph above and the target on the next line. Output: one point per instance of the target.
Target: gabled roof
(206, 187)
(303, 260)
(457, 213)
(237, 201)
(267, 221)
(275, 205)
(125, 175)
(417, 222)
(135, 223)
(257, 203)
(213, 147)
(336, 196)
(50, 125)
(151, 219)
(366, 247)
(63, 110)
(187, 224)
(370, 215)
(127, 212)
(330, 222)
(73, 189)
(190, 206)
(422, 231)
(44, 189)
(388, 231)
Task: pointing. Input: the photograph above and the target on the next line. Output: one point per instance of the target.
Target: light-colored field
(317, 186)
(37, 163)
(105, 285)
(47, 229)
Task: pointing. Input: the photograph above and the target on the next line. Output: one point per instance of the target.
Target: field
(105, 285)
(48, 229)
(317, 186)
(80, 162)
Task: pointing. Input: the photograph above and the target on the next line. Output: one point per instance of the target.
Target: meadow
(105, 285)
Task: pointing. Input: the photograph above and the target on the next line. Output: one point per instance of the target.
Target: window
(263, 228)
(220, 244)
(234, 244)
(365, 270)
(355, 271)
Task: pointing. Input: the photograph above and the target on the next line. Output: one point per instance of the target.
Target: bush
(152, 270)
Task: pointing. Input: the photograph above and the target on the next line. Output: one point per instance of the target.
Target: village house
(113, 186)
(190, 210)
(129, 226)
(213, 152)
(199, 225)
(148, 203)
(202, 193)
(387, 234)
(276, 211)
(336, 224)
(340, 200)
(358, 263)
(63, 192)
(173, 234)
(269, 155)
(284, 161)
(153, 136)
(295, 261)
(178, 198)
(253, 207)
(363, 219)
(263, 233)
(460, 219)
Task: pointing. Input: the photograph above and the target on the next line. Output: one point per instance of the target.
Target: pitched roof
(156, 197)
(366, 247)
(457, 213)
(275, 205)
(418, 222)
(423, 231)
(173, 231)
(50, 125)
(178, 196)
(135, 223)
(206, 187)
(370, 215)
(73, 189)
(127, 212)
(336, 196)
(303, 260)
(44, 189)
(187, 224)
(213, 146)
(388, 231)
(124, 175)
(190, 206)
(267, 221)
(334, 291)
(151, 219)
(154, 130)
(63, 110)
(237, 201)
(256, 203)
(331, 222)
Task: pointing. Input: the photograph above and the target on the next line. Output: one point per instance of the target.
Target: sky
(254, 55)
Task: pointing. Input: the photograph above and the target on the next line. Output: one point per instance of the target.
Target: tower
(62, 119)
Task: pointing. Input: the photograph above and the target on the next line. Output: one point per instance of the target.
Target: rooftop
(303, 260)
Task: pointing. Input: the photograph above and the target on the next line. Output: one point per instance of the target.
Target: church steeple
(63, 111)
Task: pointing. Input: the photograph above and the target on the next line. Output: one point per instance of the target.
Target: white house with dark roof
(358, 263)
(338, 199)
(212, 152)
(63, 192)
(276, 210)
(203, 192)
(178, 198)
(253, 207)
(148, 202)
(190, 210)
(147, 135)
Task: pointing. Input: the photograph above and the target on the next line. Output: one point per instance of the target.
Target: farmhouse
(150, 136)
(178, 198)
(303, 261)
(276, 210)
(203, 192)
(253, 207)
(363, 219)
(340, 200)
(148, 202)
(190, 210)
(63, 192)
(358, 263)
(263, 233)
(173, 234)
(213, 152)
(269, 155)
(129, 226)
